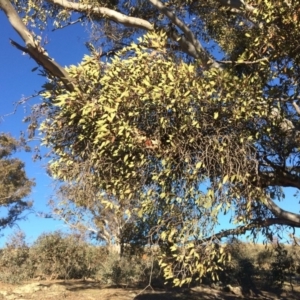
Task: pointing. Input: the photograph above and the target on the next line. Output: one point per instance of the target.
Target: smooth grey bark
(104, 12)
(282, 214)
(189, 36)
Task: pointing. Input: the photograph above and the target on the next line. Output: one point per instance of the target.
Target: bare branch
(18, 46)
(188, 43)
(70, 23)
(34, 49)
(104, 12)
(22, 101)
(254, 224)
(186, 46)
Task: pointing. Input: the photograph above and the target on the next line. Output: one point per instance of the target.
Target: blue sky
(16, 81)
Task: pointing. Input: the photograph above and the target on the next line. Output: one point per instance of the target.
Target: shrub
(281, 267)
(14, 260)
(60, 256)
(242, 266)
(116, 270)
(128, 270)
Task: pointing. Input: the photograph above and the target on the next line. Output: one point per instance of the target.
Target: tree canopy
(183, 110)
(14, 184)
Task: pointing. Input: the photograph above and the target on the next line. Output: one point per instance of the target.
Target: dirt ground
(89, 290)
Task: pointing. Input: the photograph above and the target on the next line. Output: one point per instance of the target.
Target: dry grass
(91, 290)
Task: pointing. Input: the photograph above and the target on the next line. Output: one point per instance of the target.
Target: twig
(69, 23)
(18, 46)
(22, 101)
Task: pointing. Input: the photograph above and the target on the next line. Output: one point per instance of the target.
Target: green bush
(128, 270)
(15, 260)
(282, 267)
(52, 256)
(241, 269)
(60, 256)
(118, 270)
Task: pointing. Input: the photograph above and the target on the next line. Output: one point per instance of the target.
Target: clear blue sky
(16, 81)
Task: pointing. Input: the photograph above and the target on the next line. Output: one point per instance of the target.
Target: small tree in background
(282, 266)
(14, 184)
(60, 256)
(82, 207)
(15, 259)
(241, 269)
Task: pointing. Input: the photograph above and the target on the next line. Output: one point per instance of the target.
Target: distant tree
(112, 222)
(198, 117)
(14, 184)
(15, 259)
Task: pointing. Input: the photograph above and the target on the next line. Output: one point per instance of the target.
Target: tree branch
(254, 224)
(104, 12)
(285, 216)
(280, 178)
(184, 44)
(70, 23)
(33, 48)
(237, 4)
(188, 43)
(242, 62)
(297, 108)
(188, 34)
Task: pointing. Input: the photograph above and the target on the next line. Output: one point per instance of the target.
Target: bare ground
(90, 290)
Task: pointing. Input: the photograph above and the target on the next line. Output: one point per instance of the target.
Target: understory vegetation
(57, 255)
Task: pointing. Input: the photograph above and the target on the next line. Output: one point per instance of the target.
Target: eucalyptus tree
(115, 224)
(197, 117)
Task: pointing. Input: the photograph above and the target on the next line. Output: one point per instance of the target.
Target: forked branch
(188, 34)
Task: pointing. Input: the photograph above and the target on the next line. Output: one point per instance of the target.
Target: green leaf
(198, 165)
(34, 69)
(225, 179)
